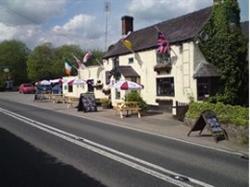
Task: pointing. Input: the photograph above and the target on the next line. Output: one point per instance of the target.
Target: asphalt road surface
(122, 157)
(21, 165)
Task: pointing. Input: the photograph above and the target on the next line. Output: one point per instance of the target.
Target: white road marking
(108, 152)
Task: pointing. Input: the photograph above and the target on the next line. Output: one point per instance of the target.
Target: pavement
(159, 124)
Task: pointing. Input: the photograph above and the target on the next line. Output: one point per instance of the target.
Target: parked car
(43, 89)
(26, 88)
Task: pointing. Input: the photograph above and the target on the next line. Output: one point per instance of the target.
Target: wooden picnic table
(128, 107)
(57, 98)
(70, 100)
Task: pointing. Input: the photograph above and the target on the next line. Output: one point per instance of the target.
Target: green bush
(135, 96)
(226, 113)
(106, 103)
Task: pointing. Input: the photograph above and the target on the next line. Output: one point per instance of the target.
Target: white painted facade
(185, 58)
(94, 73)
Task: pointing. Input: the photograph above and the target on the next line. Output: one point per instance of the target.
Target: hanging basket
(163, 68)
(106, 91)
(98, 86)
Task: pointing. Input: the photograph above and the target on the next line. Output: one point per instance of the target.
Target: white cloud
(81, 22)
(81, 28)
(29, 34)
(148, 12)
(23, 12)
(6, 32)
(30, 20)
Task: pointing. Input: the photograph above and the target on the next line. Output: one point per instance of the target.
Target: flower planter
(163, 68)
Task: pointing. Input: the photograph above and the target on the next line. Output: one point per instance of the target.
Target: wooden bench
(42, 97)
(128, 107)
(58, 98)
(70, 100)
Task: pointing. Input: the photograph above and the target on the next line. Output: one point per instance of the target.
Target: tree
(66, 52)
(40, 62)
(13, 55)
(96, 57)
(224, 45)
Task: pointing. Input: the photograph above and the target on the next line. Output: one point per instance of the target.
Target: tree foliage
(46, 62)
(66, 52)
(40, 62)
(224, 45)
(13, 55)
(96, 57)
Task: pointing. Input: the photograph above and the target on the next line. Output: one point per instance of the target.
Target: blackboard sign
(209, 118)
(87, 103)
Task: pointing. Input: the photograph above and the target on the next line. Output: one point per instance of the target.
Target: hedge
(227, 114)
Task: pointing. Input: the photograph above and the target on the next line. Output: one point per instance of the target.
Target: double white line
(136, 163)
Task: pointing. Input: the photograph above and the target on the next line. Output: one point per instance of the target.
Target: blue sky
(82, 22)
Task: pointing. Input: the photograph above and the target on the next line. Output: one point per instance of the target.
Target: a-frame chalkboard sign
(87, 103)
(209, 118)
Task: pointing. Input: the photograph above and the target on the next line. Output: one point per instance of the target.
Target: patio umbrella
(44, 82)
(55, 81)
(128, 85)
(79, 82)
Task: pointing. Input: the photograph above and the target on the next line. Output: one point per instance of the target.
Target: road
(122, 157)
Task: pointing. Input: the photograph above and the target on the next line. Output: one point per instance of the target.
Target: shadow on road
(21, 164)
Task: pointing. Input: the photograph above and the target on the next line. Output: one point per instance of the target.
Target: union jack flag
(162, 43)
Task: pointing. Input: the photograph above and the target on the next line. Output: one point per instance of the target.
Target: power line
(20, 15)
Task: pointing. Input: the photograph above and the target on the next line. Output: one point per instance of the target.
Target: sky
(83, 22)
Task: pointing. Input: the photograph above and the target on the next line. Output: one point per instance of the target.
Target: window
(133, 79)
(70, 88)
(115, 61)
(107, 77)
(131, 60)
(206, 87)
(117, 94)
(165, 86)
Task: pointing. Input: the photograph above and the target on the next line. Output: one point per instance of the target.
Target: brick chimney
(127, 24)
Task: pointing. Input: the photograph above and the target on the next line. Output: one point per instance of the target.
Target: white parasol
(127, 85)
(44, 82)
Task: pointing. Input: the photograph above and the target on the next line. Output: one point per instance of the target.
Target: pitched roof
(206, 70)
(176, 30)
(128, 71)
